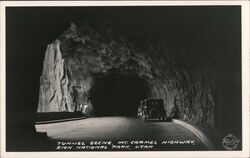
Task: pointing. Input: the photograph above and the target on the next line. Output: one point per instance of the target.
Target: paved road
(167, 134)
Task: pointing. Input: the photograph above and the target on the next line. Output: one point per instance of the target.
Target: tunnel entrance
(117, 95)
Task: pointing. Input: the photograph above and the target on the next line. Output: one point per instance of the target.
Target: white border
(245, 81)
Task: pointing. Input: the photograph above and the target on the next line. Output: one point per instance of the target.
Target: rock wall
(187, 88)
(60, 88)
(82, 54)
(54, 82)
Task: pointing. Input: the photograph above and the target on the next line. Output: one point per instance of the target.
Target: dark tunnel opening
(117, 95)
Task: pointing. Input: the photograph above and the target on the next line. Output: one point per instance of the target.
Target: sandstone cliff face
(54, 82)
(82, 54)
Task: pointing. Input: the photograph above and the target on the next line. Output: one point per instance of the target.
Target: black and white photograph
(124, 78)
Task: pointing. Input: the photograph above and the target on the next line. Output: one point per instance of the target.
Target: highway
(165, 136)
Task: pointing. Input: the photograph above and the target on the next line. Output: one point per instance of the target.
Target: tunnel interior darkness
(117, 95)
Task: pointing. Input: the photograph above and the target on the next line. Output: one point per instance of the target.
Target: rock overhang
(87, 52)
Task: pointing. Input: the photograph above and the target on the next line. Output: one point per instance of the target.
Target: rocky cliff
(89, 51)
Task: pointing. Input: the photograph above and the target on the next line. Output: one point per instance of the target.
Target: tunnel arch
(86, 56)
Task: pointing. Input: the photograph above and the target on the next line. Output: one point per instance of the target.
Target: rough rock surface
(89, 51)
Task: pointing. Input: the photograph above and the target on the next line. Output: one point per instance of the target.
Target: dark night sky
(209, 34)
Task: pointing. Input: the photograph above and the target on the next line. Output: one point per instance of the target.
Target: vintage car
(151, 109)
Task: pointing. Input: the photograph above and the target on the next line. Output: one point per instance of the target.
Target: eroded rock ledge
(84, 53)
